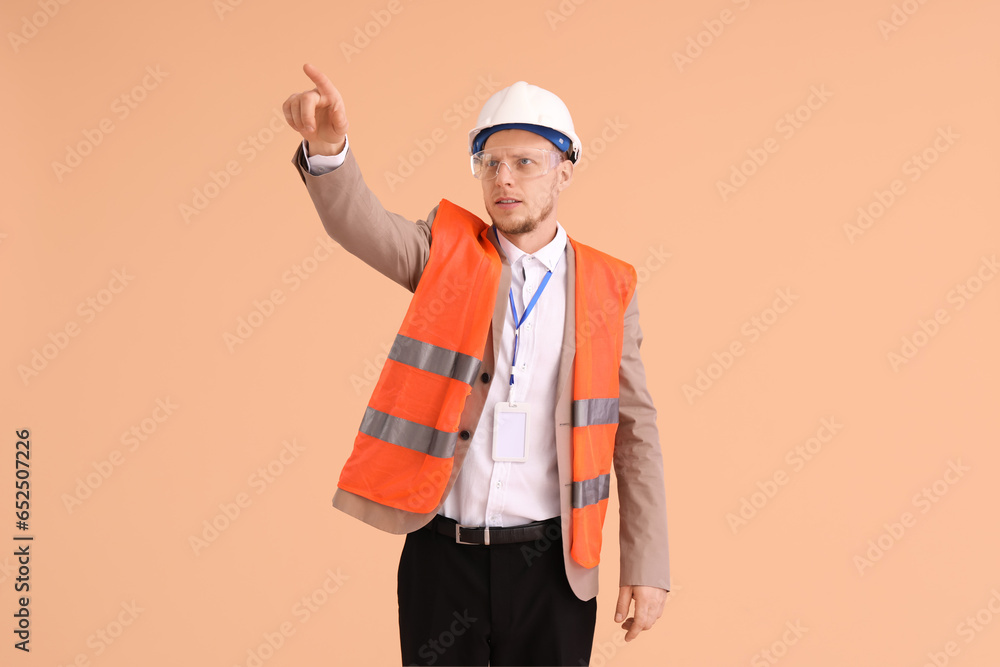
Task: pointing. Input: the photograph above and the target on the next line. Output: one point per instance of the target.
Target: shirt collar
(549, 254)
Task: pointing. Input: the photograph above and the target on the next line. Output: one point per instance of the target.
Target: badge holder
(510, 432)
(510, 419)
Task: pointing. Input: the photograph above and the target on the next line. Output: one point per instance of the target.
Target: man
(513, 385)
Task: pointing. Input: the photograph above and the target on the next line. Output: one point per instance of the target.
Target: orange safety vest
(404, 449)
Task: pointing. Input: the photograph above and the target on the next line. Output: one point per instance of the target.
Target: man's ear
(565, 176)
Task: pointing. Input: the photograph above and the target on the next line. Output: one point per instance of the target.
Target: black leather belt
(529, 532)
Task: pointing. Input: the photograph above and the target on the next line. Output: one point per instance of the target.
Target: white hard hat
(527, 107)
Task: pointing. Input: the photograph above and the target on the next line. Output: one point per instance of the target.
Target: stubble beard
(525, 224)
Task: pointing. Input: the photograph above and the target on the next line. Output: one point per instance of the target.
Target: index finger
(323, 84)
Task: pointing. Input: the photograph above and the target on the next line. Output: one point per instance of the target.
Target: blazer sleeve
(353, 216)
(638, 464)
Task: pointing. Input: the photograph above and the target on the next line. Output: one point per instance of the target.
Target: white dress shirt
(507, 493)
(321, 164)
(504, 493)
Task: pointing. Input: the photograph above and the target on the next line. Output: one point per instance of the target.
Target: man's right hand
(318, 115)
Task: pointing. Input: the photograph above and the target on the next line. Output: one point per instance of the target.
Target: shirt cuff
(321, 164)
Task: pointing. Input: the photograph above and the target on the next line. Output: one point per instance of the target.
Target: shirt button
(499, 485)
(527, 326)
(464, 435)
(495, 518)
(485, 377)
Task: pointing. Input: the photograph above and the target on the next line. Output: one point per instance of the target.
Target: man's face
(535, 197)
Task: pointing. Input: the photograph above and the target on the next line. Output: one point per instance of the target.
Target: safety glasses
(522, 162)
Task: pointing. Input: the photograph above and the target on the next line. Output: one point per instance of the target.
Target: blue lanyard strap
(531, 304)
(527, 311)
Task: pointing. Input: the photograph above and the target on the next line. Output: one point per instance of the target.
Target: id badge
(510, 432)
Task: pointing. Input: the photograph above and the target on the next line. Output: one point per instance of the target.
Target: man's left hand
(649, 601)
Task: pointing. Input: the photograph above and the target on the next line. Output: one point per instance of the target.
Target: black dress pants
(506, 604)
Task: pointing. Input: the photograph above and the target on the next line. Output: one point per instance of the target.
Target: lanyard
(518, 321)
(524, 316)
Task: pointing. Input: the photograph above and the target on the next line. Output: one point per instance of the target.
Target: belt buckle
(458, 535)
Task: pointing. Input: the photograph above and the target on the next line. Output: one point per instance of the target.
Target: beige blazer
(399, 248)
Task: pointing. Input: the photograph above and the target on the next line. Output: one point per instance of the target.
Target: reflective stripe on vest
(402, 456)
(435, 359)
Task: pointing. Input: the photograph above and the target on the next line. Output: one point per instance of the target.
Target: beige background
(672, 130)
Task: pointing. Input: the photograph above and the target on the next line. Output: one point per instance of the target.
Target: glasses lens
(522, 162)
